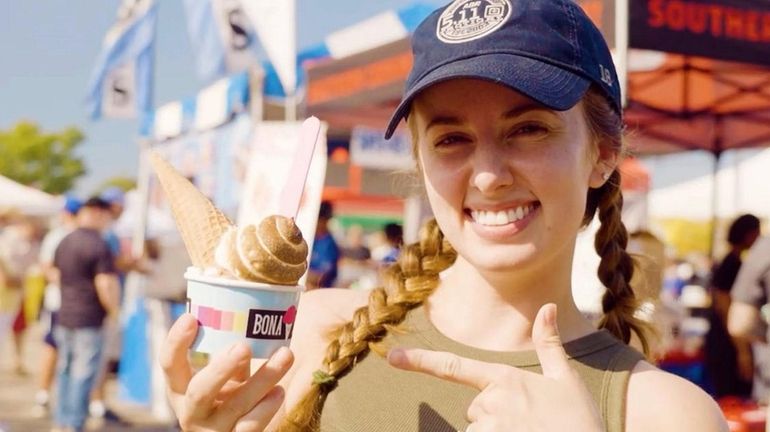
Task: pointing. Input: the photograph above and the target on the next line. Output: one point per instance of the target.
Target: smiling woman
(514, 111)
(501, 153)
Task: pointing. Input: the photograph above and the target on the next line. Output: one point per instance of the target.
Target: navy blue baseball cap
(548, 50)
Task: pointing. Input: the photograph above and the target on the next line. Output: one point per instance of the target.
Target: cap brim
(551, 86)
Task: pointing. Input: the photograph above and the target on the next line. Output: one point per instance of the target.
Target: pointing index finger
(446, 366)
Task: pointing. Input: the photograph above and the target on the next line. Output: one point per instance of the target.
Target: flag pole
(143, 188)
(621, 47)
(291, 93)
(291, 107)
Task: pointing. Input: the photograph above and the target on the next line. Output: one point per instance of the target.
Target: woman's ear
(606, 162)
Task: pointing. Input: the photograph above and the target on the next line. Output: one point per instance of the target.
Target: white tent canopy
(683, 184)
(27, 200)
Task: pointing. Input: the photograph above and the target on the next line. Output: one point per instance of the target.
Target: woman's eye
(529, 129)
(450, 140)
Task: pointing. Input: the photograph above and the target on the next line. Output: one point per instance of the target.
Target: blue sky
(48, 48)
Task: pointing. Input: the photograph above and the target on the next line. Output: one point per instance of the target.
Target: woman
(514, 111)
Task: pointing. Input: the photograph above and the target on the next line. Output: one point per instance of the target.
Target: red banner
(736, 30)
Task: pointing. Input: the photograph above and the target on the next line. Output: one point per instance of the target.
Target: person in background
(729, 362)
(387, 252)
(19, 249)
(115, 197)
(355, 249)
(324, 258)
(89, 296)
(124, 263)
(52, 299)
(356, 269)
(394, 234)
(749, 313)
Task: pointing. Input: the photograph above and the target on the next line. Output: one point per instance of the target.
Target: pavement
(18, 412)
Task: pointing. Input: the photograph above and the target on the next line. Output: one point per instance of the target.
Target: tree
(44, 160)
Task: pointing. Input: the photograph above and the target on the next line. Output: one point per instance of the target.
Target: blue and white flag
(275, 22)
(221, 36)
(121, 83)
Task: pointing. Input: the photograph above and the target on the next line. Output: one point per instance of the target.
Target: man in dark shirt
(89, 294)
(729, 362)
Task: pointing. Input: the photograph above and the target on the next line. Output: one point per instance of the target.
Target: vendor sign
(370, 149)
(736, 30)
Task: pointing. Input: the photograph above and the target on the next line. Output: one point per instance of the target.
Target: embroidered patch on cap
(466, 20)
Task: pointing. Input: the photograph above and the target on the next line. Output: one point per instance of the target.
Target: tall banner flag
(121, 83)
(275, 23)
(221, 36)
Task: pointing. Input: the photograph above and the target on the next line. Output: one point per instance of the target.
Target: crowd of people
(351, 257)
(69, 279)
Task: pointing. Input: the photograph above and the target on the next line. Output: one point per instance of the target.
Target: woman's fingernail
(237, 351)
(396, 356)
(280, 357)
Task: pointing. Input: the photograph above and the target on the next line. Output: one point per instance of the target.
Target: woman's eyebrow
(443, 120)
(521, 109)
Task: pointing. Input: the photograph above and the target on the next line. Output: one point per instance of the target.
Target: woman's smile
(502, 222)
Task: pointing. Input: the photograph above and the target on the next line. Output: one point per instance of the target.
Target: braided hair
(407, 283)
(616, 267)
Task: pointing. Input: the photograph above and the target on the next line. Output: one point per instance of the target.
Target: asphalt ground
(19, 413)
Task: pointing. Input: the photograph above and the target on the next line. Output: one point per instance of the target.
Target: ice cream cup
(230, 310)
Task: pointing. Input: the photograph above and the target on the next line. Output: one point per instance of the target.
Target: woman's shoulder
(658, 400)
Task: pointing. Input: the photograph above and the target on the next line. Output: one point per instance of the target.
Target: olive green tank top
(375, 397)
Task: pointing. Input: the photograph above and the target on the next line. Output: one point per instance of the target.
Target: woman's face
(506, 178)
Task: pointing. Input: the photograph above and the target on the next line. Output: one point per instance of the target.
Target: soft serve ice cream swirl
(272, 252)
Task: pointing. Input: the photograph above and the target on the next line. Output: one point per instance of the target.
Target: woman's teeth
(503, 217)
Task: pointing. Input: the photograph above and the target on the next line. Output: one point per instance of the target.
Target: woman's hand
(512, 399)
(221, 396)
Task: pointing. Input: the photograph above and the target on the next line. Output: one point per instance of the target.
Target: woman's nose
(491, 170)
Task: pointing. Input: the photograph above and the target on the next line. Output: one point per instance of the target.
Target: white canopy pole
(143, 191)
(621, 46)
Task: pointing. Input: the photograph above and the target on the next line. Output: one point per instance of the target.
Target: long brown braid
(407, 284)
(616, 266)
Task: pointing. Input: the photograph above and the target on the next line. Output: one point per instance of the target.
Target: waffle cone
(199, 222)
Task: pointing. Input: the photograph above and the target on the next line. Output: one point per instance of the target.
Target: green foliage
(40, 159)
(122, 182)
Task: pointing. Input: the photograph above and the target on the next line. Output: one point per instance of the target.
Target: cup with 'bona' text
(230, 311)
